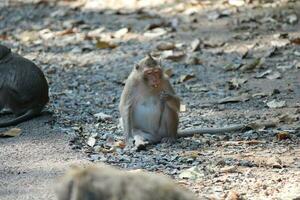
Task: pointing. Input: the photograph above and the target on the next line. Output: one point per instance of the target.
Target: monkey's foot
(140, 143)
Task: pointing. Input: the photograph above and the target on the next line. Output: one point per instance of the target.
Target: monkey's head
(150, 70)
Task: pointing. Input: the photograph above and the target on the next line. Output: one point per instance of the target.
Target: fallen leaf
(65, 32)
(91, 141)
(276, 104)
(163, 46)
(236, 2)
(295, 41)
(156, 32)
(169, 72)
(105, 45)
(280, 43)
(193, 60)
(214, 15)
(236, 83)
(173, 55)
(252, 64)
(120, 144)
(182, 108)
(271, 52)
(292, 19)
(274, 75)
(103, 117)
(29, 36)
(288, 118)
(263, 74)
(187, 77)
(3, 37)
(11, 132)
(260, 94)
(195, 45)
(283, 135)
(242, 98)
(229, 169)
(274, 162)
(120, 33)
(233, 195)
(192, 173)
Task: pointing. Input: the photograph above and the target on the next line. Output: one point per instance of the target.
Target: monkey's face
(153, 76)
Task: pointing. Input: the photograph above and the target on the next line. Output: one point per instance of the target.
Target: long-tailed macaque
(23, 87)
(107, 183)
(149, 108)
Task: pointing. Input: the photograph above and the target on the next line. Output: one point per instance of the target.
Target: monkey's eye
(137, 66)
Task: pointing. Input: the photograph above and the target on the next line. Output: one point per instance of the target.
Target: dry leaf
(236, 2)
(187, 77)
(242, 98)
(260, 94)
(274, 162)
(233, 195)
(169, 72)
(295, 41)
(120, 33)
(195, 45)
(120, 144)
(105, 45)
(263, 74)
(193, 60)
(156, 32)
(182, 108)
(91, 141)
(288, 118)
(283, 135)
(103, 117)
(163, 46)
(66, 32)
(29, 36)
(255, 63)
(11, 132)
(229, 169)
(275, 75)
(292, 19)
(173, 55)
(236, 83)
(276, 104)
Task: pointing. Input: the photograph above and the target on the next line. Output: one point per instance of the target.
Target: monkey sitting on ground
(107, 183)
(149, 108)
(23, 87)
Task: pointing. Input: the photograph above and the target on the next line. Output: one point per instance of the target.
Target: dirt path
(31, 162)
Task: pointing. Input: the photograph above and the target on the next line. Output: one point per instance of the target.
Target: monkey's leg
(169, 117)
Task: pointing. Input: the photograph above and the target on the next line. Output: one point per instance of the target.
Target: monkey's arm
(125, 108)
(172, 100)
(223, 130)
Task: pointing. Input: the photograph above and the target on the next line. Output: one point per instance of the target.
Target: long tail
(221, 131)
(27, 116)
(200, 131)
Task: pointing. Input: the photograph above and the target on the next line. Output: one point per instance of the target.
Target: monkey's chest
(147, 113)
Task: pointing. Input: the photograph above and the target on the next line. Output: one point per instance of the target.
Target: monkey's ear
(136, 66)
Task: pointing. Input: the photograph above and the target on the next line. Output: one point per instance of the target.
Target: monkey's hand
(165, 96)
